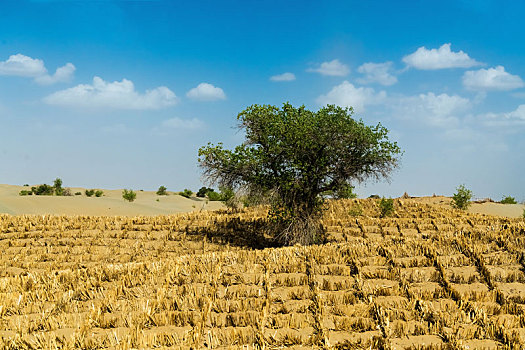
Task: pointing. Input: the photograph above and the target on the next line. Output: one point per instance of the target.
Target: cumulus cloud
(377, 73)
(283, 77)
(333, 68)
(437, 110)
(118, 95)
(439, 59)
(513, 118)
(347, 95)
(491, 79)
(24, 66)
(206, 92)
(178, 123)
(62, 74)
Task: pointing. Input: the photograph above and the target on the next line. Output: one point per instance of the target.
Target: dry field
(428, 278)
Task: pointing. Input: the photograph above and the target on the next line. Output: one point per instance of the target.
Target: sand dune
(111, 203)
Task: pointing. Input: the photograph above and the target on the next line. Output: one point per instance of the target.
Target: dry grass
(427, 278)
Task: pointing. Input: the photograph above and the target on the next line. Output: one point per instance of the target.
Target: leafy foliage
(43, 190)
(25, 193)
(162, 191)
(186, 193)
(89, 193)
(461, 199)
(386, 207)
(99, 193)
(203, 191)
(57, 185)
(129, 195)
(508, 200)
(294, 155)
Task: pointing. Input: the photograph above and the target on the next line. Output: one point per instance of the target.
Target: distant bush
(57, 185)
(386, 206)
(78, 193)
(43, 190)
(25, 193)
(129, 195)
(99, 193)
(162, 191)
(461, 199)
(214, 196)
(374, 196)
(203, 191)
(89, 193)
(67, 192)
(508, 200)
(186, 193)
(26, 185)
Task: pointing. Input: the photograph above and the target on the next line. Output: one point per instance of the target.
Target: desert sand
(111, 203)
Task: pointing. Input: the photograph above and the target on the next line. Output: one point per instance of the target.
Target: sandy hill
(111, 203)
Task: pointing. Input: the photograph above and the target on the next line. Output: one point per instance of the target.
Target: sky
(121, 94)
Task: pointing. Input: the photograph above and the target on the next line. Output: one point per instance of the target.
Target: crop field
(427, 278)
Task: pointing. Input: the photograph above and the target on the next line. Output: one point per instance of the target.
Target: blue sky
(117, 94)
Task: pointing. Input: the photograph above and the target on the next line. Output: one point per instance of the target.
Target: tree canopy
(294, 155)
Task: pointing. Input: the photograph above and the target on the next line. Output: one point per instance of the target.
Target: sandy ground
(111, 203)
(490, 208)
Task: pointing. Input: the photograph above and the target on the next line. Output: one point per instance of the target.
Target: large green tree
(293, 156)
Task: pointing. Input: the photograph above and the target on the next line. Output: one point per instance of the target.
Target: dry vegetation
(427, 278)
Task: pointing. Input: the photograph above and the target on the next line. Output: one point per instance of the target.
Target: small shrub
(524, 213)
(89, 193)
(186, 193)
(386, 206)
(67, 192)
(99, 193)
(214, 196)
(508, 200)
(374, 196)
(78, 193)
(203, 191)
(162, 191)
(43, 190)
(25, 193)
(356, 210)
(461, 199)
(26, 185)
(57, 185)
(229, 198)
(129, 195)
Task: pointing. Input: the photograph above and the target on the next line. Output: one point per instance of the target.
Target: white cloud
(516, 117)
(347, 95)
(118, 95)
(491, 79)
(283, 77)
(377, 73)
(206, 92)
(333, 68)
(437, 110)
(23, 66)
(62, 74)
(178, 123)
(439, 59)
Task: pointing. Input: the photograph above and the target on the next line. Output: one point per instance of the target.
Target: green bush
(374, 196)
(508, 200)
(461, 199)
(386, 206)
(43, 190)
(99, 193)
(203, 191)
(89, 193)
(186, 193)
(78, 193)
(214, 196)
(129, 195)
(162, 191)
(25, 193)
(57, 185)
